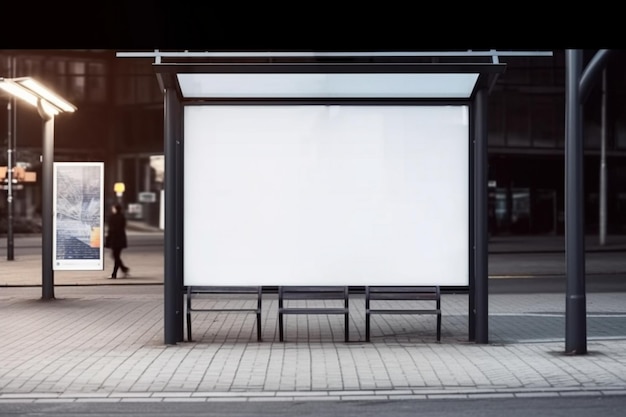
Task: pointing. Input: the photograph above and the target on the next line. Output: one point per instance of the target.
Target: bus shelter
(313, 169)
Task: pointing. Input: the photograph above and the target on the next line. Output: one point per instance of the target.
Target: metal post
(11, 112)
(10, 165)
(47, 171)
(603, 219)
(179, 234)
(173, 313)
(481, 265)
(575, 307)
(471, 304)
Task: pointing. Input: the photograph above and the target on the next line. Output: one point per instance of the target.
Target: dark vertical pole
(481, 289)
(180, 181)
(47, 171)
(471, 302)
(11, 159)
(575, 303)
(602, 208)
(10, 165)
(172, 291)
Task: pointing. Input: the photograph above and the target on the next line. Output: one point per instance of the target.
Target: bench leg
(438, 327)
(367, 314)
(346, 304)
(188, 326)
(280, 326)
(258, 327)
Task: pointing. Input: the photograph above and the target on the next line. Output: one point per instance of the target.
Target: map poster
(78, 220)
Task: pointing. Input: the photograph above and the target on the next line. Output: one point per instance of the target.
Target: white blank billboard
(326, 195)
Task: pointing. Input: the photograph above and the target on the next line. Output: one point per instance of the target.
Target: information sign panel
(78, 221)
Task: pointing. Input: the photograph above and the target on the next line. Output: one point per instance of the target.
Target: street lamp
(48, 105)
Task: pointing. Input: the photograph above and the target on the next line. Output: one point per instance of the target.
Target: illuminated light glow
(33, 92)
(48, 108)
(423, 85)
(19, 92)
(47, 95)
(119, 187)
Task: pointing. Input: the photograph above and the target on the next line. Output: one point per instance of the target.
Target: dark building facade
(120, 122)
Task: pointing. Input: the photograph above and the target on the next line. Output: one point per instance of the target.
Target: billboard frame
(78, 216)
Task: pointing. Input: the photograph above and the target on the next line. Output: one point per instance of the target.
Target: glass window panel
(591, 134)
(97, 89)
(547, 71)
(496, 121)
(49, 66)
(31, 67)
(96, 68)
(518, 120)
(619, 122)
(61, 67)
(620, 134)
(547, 121)
(77, 87)
(96, 82)
(520, 210)
(124, 89)
(145, 88)
(501, 207)
(517, 73)
(77, 67)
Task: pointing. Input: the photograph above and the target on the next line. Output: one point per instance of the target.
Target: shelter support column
(172, 279)
(480, 287)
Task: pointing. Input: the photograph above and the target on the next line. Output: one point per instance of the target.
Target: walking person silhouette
(116, 239)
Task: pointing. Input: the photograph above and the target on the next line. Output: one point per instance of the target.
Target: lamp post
(48, 105)
(10, 164)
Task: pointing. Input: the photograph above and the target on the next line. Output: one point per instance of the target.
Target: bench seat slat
(401, 311)
(416, 295)
(320, 293)
(296, 310)
(313, 296)
(407, 296)
(203, 292)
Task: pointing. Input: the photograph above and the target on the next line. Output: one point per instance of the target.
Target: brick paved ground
(106, 343)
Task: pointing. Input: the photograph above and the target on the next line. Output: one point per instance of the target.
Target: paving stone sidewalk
(100, 340)
(105, 343)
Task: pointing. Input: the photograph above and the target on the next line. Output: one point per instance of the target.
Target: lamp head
(48, 103)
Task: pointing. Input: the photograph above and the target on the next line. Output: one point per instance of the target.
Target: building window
(496, 121)
(77, 82)
(124, 89)
(518, 120)
(146, 87)
(96, 88)
(30, 67)
(547, 120)
(620, 132)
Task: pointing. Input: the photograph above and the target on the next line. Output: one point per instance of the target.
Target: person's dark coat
(116, 236)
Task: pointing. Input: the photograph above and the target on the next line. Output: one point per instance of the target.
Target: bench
(197, 292)
(419, 294)
(288, 294)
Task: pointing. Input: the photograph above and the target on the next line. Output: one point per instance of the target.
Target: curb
(289, 396)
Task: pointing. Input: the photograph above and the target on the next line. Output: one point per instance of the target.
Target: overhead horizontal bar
(301, 54)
